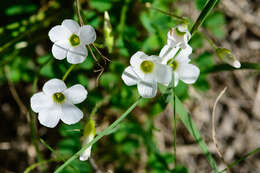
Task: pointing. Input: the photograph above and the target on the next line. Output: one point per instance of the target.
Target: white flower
(179, 36)
(70, 41)
(56, 102)
(86, 154)
(145, 71)
(184, 71)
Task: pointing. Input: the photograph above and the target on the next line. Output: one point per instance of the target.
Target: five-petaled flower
(70, 41)
(146, 71)
(180, 64)
(56, 102)
(179, 36)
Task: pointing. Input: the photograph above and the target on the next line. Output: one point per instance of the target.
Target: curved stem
(68, 72)
(241, 159)
(149, 5)
(103, 133)
(33, 166)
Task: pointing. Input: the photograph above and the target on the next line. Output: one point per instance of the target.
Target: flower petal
(77, 54)
(60, 49)
(50, 117)
(87, 34)
(40, 101)
(184, 54)
(129, 76)
(168, 53)
(53, 86)
(71, 25)
(136, 59)
(147, 89)
(58, 33)
(188, 73)
(75, 94)
(71, 114)
(163, 74)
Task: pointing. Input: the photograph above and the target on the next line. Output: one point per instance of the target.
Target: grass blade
(193, 130)
(101, 134)
(204, 13)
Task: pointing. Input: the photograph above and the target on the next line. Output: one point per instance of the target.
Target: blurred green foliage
(134, 27)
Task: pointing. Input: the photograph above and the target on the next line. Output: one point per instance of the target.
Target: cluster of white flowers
(56, 101)
(145, 71)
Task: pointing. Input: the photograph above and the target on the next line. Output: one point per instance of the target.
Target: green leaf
(196, 41)
(108, 80)
(82, 79)
(87, 64)
(203, 15)
(100, 5)
(205, 61)
(200, 4)
(20, 9)
(180, 169)
(194, 132)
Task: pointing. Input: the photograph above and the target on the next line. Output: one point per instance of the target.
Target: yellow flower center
(74, 40)
(179, 33)
(173, 65)
(147, 66)
(58, 97)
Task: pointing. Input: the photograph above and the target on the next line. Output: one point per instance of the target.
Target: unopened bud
(88, 136)
(225, 55)
(109, 38)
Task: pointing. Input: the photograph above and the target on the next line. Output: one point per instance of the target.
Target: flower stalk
(97, 138)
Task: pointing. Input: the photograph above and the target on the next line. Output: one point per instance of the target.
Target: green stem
(33, 166)
(58, 155)
(103, 133)
(68, 72)
(206, 10)
(149, 5)
(242, 158)
(226, 67)
(174, 118)
(123, 17)
(212, 44)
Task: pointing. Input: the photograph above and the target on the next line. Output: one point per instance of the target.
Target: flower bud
(109, 38)
(226, 56)
(179, 36)
(88, 136)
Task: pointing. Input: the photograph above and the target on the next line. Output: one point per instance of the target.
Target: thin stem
(78, 13)
(68, 72)
(226, 67)
(103, 133)
(58, 155)
(212, 44)
(175, 122)
(105, 58)
(149, 5)
(35, 165)
(215, 141)
(241, 159)
(99, 104)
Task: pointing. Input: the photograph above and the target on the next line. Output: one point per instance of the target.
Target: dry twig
(214, 130)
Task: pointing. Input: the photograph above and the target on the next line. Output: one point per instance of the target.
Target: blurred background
(144, 141)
